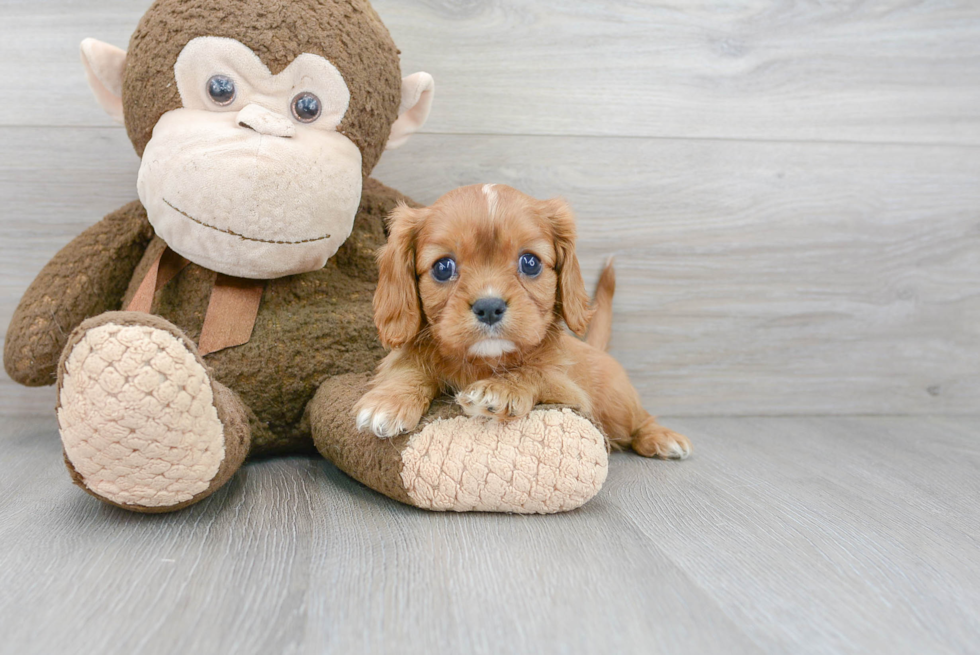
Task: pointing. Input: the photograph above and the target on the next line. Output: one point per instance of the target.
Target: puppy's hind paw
(654, 440)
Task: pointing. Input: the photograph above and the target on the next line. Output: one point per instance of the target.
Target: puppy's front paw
(387, 415)
(496, 399)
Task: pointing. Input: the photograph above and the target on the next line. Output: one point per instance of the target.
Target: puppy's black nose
(489, 310)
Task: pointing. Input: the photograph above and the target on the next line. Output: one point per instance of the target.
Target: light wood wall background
(791, 189)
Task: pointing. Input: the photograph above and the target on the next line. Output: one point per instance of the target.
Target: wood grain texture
(754, 278)
(828, 535)
(763, 278)
(40, 64)
(896, 71)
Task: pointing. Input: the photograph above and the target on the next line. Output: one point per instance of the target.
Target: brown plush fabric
(374, 462)
(371, 461)
(234, 417)
(349, 34)
(87, 277)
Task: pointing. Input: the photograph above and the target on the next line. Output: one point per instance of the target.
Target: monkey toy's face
(251, 177)
(249, 173)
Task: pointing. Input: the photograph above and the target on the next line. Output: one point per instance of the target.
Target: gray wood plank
(791, 535)
(755, 278)
(40, 66)
(294, 557)
(902, 71)
(826, 535)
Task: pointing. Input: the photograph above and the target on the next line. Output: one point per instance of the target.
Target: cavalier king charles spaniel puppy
(473, 297)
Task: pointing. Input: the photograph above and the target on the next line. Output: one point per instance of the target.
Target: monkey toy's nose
(489, 310)
(263, 121)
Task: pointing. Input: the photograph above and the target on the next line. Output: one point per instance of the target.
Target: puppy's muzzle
(490, 311)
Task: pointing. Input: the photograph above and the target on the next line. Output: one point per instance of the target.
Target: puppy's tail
(600, 329)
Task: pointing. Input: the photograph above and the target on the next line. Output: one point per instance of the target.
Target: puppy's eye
(529, 265)
(222, 90)
(306, 107)
(444, 269)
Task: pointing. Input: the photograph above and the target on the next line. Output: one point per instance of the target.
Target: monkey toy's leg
(144, 426)
(552, 460)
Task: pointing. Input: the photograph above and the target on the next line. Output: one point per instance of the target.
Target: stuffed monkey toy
(227, 314)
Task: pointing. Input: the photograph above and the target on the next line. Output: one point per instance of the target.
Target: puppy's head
(486, 270)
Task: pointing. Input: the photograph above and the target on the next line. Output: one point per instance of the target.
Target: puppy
(472, 296)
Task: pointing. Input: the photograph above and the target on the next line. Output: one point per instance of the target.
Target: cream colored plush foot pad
(137, 417)
(550, 461)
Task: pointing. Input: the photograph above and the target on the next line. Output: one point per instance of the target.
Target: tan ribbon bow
(232, 309)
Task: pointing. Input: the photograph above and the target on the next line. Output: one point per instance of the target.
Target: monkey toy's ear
(104, 66)
(417, 93)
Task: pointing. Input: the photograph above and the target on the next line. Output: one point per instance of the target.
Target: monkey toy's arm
(87, 277)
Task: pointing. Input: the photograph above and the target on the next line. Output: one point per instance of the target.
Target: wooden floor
(853, 535)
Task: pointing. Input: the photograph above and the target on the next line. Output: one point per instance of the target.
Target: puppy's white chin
(492, 348)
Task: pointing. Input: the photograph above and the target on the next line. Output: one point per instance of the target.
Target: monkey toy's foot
(143, 425)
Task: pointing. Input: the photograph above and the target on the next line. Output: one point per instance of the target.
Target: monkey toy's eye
(306, 107)
(529, 265)
(221, 88)
(444, 269)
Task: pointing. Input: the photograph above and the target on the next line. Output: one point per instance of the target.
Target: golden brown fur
(501, 370)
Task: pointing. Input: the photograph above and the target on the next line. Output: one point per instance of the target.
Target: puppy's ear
(573, 301)
(397, 311)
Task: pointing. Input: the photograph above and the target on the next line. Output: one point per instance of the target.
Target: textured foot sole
(137, 416)
(553, 460)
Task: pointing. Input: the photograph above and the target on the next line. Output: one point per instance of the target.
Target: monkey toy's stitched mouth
(241, 236)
